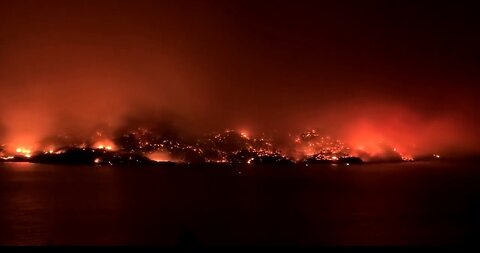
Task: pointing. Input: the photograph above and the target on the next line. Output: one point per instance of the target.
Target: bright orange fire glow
(244, 134)
(105, 144)
(159, 156)
(27, 152)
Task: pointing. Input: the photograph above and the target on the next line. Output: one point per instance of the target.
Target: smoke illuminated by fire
(80, 75)
(231, 146)
(383, 134)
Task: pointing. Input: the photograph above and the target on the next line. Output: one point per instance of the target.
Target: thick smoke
(74, 67)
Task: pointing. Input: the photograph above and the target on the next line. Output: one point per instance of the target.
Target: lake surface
(421, 203)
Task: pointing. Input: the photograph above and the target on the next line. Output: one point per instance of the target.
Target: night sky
(405, 71)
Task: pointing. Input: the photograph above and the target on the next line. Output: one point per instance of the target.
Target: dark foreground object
(426, 203)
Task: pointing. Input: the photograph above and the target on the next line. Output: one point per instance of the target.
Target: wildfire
(105, 144)
(234, 147)
(159, 156)
(244, 134)
(24, 151)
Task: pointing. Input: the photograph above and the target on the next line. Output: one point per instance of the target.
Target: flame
(244, 134)
(159, 156)
(105, 144)
(27, 152)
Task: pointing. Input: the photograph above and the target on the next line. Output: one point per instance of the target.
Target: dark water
(429, 203)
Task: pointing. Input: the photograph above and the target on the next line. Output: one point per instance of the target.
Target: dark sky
(403, 70)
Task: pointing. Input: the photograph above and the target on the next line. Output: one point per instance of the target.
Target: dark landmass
(102, 157)
(342, 160)
(85, 156)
